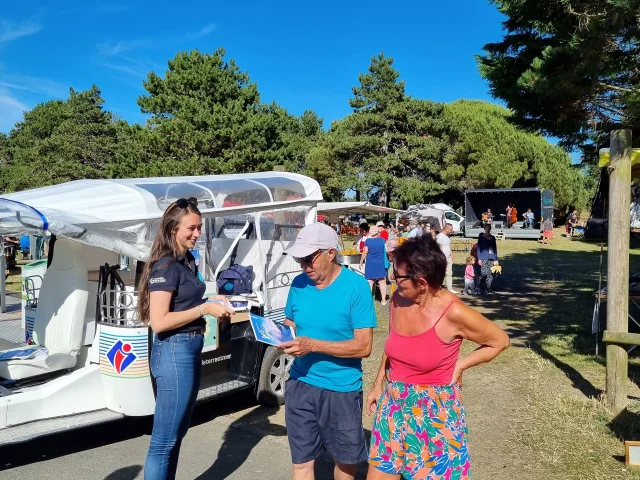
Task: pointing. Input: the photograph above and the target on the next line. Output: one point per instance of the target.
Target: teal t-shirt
(331, 314)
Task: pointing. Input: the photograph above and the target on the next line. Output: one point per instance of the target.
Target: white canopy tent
(334, 209)
(118, 214)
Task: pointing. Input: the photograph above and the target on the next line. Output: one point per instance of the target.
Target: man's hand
(298, 347)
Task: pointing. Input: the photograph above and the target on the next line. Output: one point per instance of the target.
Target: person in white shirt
(445, 245)
(414, 229)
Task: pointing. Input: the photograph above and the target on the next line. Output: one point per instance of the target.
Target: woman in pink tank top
(420, 428)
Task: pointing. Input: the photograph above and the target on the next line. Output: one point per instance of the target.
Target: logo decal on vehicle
(121, 356)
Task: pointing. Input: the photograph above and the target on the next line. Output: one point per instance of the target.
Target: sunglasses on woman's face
(396, 276)
(309, 259)
(184, 202)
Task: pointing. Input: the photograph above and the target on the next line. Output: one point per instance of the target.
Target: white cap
(312, 238)
(380, 223)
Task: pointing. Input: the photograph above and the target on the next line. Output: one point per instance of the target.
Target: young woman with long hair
(170, 300)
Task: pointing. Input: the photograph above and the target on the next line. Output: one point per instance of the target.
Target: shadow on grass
(546, 297)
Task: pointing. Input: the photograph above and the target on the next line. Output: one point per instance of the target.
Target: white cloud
(125, 69)
(10, 31)
(16, 87)
(204, 31)
(12, 110)
(112, 49)
(34, 85)
(11, 102)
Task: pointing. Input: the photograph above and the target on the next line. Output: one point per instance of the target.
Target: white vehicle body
(456, 220)
(90, 359)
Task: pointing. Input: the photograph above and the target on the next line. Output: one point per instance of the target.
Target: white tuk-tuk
(87, 360)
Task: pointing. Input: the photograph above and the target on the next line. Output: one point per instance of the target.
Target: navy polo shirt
(180, 276)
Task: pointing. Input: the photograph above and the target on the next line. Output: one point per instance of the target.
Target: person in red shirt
(383, 231)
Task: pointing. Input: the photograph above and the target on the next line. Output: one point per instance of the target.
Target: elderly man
(444, 240)
(414, 229)
(332, 311)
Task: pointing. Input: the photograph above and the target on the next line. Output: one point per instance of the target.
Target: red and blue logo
(121, 356)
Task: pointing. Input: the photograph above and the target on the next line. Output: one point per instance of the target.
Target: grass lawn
(545, 303)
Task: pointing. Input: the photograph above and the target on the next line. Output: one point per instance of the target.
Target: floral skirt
(421, 432)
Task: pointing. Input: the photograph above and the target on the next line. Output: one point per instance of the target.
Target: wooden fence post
(618, 265)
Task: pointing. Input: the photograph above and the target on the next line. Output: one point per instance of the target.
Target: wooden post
(618, 266)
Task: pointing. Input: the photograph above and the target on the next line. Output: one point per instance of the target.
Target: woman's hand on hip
(457, 375)
(372, 399)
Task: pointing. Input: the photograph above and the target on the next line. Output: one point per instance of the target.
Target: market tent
(345, 208)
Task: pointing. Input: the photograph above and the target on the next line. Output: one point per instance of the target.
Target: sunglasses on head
(309, 259)
(184, 202)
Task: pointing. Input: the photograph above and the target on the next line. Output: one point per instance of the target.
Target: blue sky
(304, 55)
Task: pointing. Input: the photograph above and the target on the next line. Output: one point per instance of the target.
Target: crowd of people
(420, 428)
(376, 244)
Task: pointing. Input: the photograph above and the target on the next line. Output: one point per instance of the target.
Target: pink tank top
(422, 359)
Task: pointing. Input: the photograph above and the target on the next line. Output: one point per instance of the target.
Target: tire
(274, 372)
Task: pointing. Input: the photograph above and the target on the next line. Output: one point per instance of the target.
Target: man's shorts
(317, 418)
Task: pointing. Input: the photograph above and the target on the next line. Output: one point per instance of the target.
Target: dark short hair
(422, 258)
(364, 226)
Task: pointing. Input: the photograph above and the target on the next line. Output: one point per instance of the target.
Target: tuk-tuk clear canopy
(115, 214)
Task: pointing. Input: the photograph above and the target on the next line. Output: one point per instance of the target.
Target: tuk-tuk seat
(59, 321)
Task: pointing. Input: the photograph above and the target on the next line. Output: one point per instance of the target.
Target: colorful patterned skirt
(421, 432)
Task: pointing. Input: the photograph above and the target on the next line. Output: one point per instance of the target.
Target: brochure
(270, 332)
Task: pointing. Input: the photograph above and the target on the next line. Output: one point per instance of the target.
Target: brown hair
(422, 258)
(163, 245)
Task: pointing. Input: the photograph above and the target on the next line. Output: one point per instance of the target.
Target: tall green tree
(391, 146)
(210, 120)
(568, 68)
(488, 151)
(60, 141)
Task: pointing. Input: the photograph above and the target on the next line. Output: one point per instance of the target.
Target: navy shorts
(317, 418)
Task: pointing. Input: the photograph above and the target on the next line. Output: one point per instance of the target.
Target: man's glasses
(184, 202)
(309, 259)
(396, 276)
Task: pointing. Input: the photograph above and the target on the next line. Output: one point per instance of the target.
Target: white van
(451, 217)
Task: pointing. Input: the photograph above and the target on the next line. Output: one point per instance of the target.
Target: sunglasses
(396, 276)
(309, 259)
(184, 202)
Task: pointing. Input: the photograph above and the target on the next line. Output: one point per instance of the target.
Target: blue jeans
(176, 364)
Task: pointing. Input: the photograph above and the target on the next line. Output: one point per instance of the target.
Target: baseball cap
(380, 223)
(312, 238)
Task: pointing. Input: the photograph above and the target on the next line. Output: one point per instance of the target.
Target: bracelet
(200, 308)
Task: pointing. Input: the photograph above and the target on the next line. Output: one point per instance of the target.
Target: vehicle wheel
(273, 375)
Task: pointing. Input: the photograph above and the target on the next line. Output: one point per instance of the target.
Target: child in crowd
(477, 271)
(469, 275)
(547, 231)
